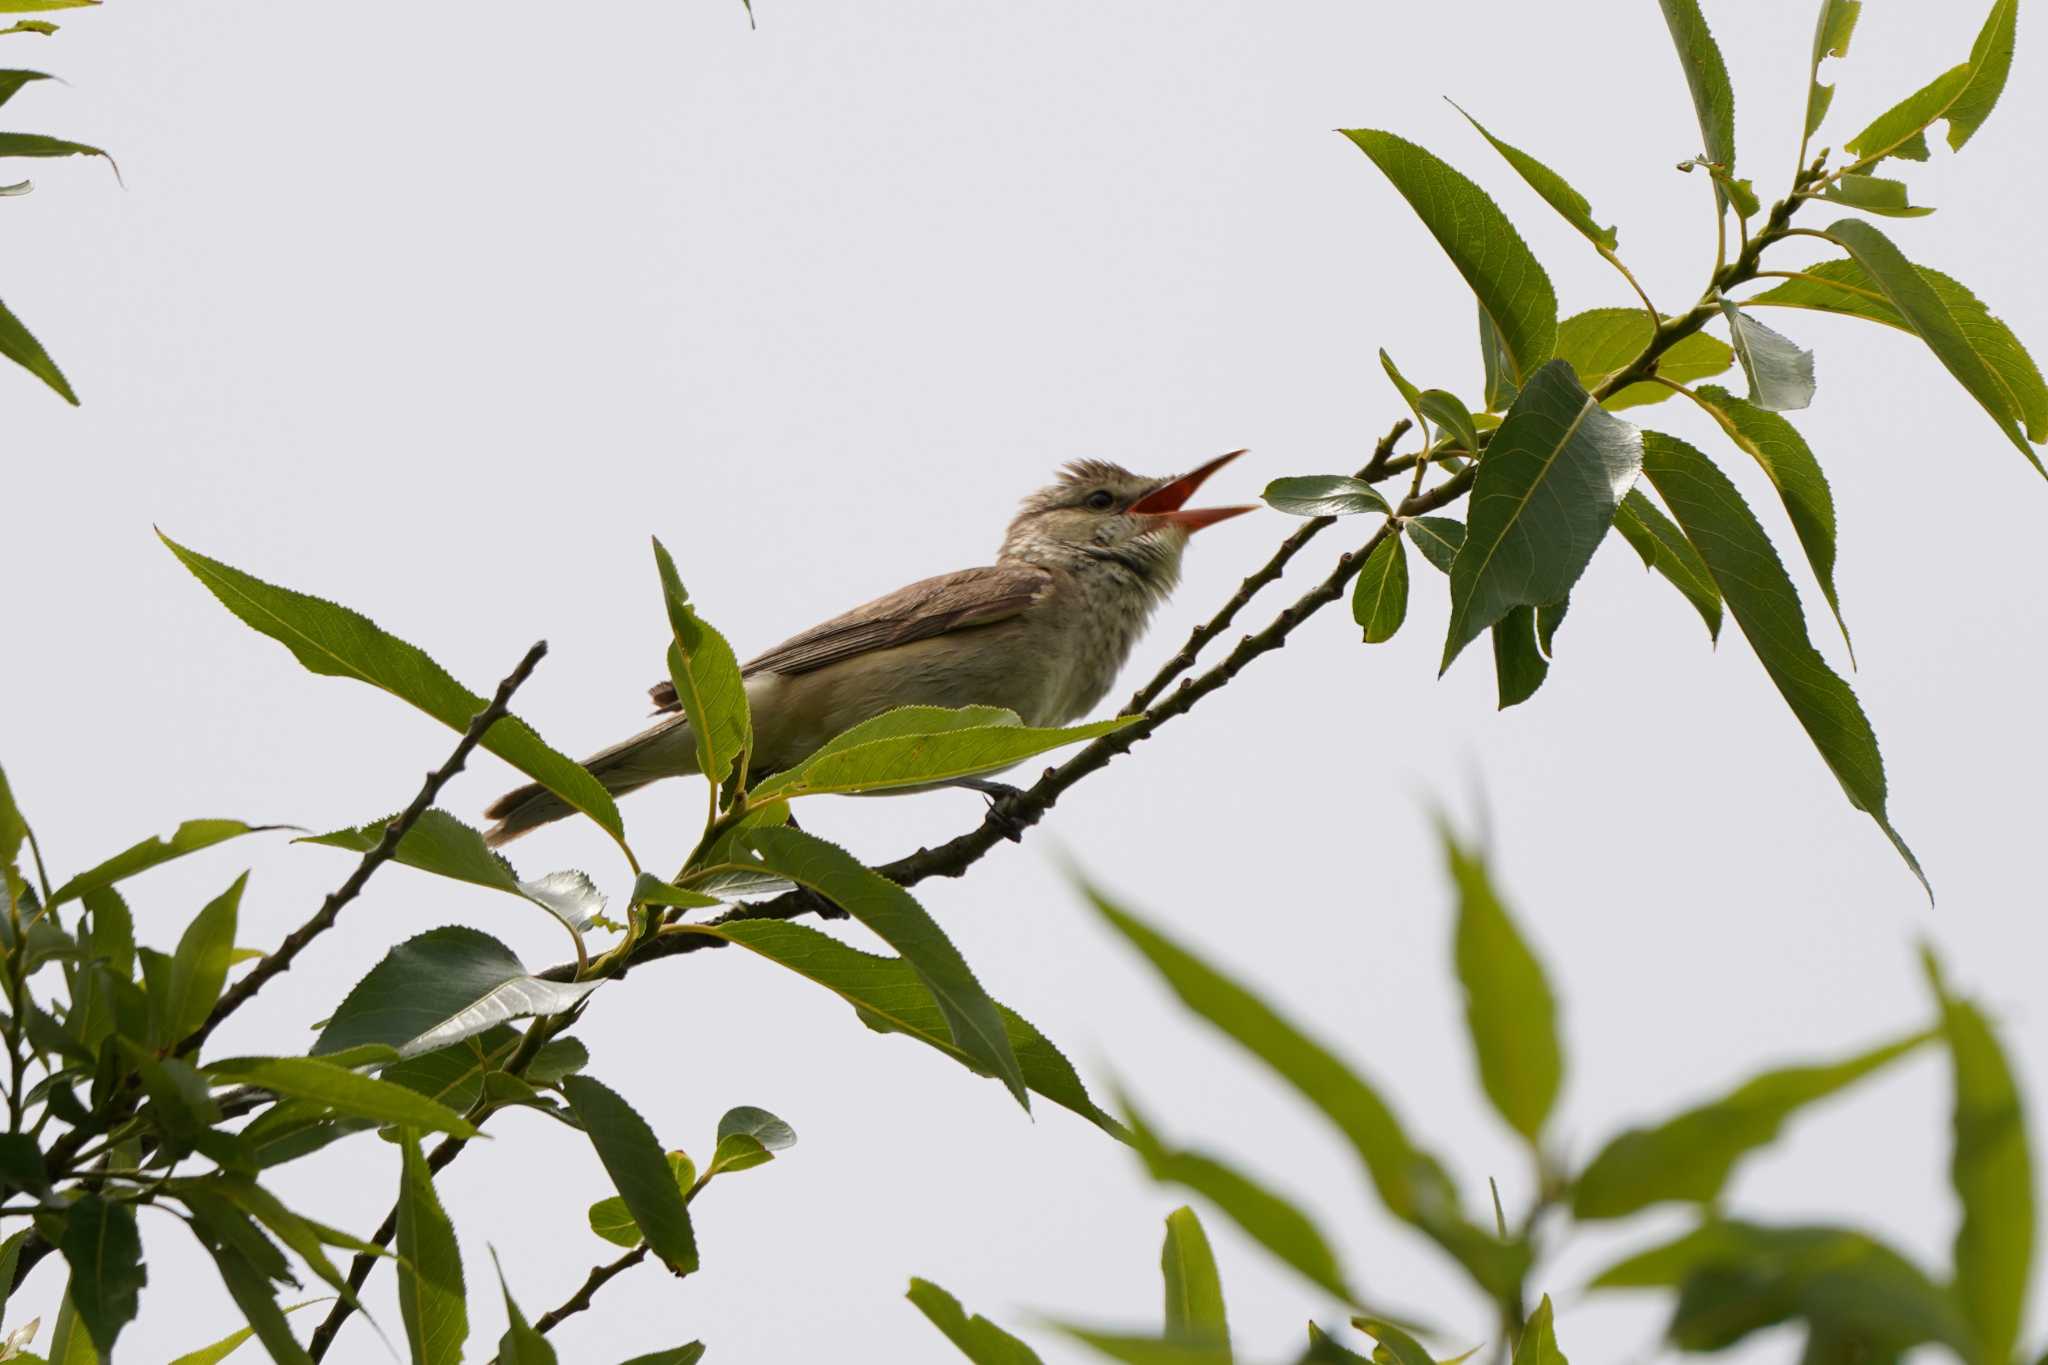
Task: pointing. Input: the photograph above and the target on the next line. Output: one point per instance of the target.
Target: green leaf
(440, 987)
(638, 1168)
(1844, 287)
(1964, 95)
(892, 913)
(1451, 416)
(1758, 592)
(891, 998)
(1409, 395)
(1874, 194)
(748, 1136)
(1782, 453)
(1497, 367)
(1780, 373)
(1690, 1155)
(36, 25)
(1601, 342)
(649, 889)
(1323, 1350)
(1411, 1182)
(336, 642)
(1538, 1345)
(306, 1238)
(1515, 295)
(37, 145)
(22, 1166)
(1266, 1218)
(250, 1266)
(927, 759)
(38, 6)
(1394, 1343)
(707, 679)
(1917, 300)
(1734, 1278)
(1830, 39)
(675, 1355)
(199, 969)
(1510, 1012)
(1706, 75)
(1438, 538)
(11, 82)
(1663, 547)
(1143, 1350)
(229, 1344)
(1992, 1175)
(70, 1343)
(1195, 1314)
(1546, 493)
(105, 1254)
(1521, 650)
(520, 1345)
(310, 1078)
(1569, 203)
(1379, 599)
(189, 837)
(1324, 495)
(431, 1297)
(10, 1261)
(980, 1340)
(613, 1221)
(438, 843)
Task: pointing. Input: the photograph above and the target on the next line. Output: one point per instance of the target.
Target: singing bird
(1042, 631)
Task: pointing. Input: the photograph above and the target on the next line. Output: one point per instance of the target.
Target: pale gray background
(442, 311)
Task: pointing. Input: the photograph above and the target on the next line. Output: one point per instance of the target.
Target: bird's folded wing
(934, 606)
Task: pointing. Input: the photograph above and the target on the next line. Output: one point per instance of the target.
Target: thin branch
(280, 961)
(1377, 469)
(600, 1275)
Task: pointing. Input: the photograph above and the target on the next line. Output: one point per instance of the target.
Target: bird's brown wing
(934, 606)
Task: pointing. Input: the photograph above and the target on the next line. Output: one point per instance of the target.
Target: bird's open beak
(1167, 501)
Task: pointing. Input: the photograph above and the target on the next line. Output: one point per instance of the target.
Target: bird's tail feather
(663, 750)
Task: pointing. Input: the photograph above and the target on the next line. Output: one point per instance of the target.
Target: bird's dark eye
(1102, 500)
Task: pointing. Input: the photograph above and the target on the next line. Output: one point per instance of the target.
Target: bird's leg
(1003, 800)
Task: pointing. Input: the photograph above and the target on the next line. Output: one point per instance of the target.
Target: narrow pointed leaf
(922, 760)
(1538, 1345)
(1779, 371)
(675, 1355)
(346, 1091)
(1664, 548)
(978, 1339)
(1690, 1156)
(19, 345)
(1394, 1343)
(438, 988)
(1510, 1012)
(233, 1341)
(1521, 651)
(1601, 342)
(639, 1169)
(1570, 204)
(520, 1345)
(1874, 194)
(1498, 368)
(707, 679)
(1451, 416)
(1379, 599)
(334, 641)
(199, 969)
(891, 998)
(1990, 64)
(1706, 75)
(1195, 1313)
(11, 82)
(1964, 95)
(1410, 395)
(1132, 1349)
(1759, 593)
(431, 1298)
(1917, 300)
(189, 837)
(1515, 295)
(1546, 493)
(107, 1275)
(1830, 39)
(1324, 495)
(891, 912)
(1844, 287)
(1992, 1174)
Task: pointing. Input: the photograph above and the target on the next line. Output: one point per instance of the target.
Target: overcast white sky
(441, 312)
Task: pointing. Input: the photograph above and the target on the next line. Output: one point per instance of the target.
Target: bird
(1042, 632)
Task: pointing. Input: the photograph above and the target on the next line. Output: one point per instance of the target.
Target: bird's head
(1101, 513)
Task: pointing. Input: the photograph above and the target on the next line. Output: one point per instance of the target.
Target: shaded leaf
(980, 1340)
(1545, 496)
(894, 914)
(1510, 1012)
(1521, 651)
(520, 1345)
(1438, 538)
(613, 1221)
(440, 987)
(638, 1168)
(19, 344)
(707, 679)
(1664, 548)
(649, 889)
(229, 1344)
(1758, 592)
(925, 759)
(1602, 342)
(675, 1355)
(1706, 76)
(1324, 495)
(189, 837)
(1195, 1314)
(310, 1078)
(431, 1297)
(1780, 373)
(1379, 599)
(891, 998)
(439, 843)
(1569, 203)
(1515, 295)
(1690, 1155)
(105, 1254)
(37, 145)
(337, 642)
(12, 81)
(1451, 416)
(1992, 1175)
(1497, 368)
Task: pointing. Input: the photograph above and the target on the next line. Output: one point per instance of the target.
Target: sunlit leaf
(189, 837)
(1510, 1012)
(925, 759)
(1780, 372)
(1134, 1349)
(1451, 416)
(980, 1340)
(233, 1341)
(1874, 194)
(1538, 1345)
(1195, 1314)
(439, 843)
(440, 987)
(1569, 203)
(199, 969)
(1601, 342)
(1964, 95)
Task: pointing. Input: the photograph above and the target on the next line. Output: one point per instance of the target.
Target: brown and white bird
(1042, 631)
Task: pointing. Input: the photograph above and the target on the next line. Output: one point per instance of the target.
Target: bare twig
(281, 960)
(600, 1275)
